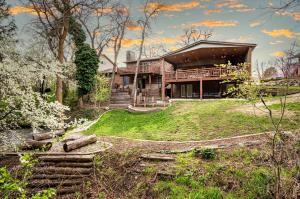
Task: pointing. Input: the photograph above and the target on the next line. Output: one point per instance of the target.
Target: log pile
(41, 140)
(78, 143)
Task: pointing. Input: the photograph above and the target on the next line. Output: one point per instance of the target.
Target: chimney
(130, 56)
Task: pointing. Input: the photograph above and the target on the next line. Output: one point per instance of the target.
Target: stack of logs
(42, 140)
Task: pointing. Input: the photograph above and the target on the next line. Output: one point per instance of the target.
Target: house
(106, 68)
(189, 72)
(296, 71)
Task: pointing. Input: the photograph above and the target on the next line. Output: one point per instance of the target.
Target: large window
(125, 81)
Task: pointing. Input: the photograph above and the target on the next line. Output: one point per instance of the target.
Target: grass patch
(184, 121)
(292, 106)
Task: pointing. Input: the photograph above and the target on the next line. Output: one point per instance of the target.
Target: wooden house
(189, 72)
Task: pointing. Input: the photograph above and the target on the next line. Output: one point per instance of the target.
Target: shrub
(207, 154)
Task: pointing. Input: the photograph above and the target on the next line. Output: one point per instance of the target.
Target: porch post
(201, 89)
(163, 81)
(150, 81)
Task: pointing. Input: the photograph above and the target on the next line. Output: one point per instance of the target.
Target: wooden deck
(142, 70)
(181, 75)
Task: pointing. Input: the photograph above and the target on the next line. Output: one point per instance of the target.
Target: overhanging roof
(208, 44)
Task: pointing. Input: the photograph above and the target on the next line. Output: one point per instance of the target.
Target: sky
(246, 21)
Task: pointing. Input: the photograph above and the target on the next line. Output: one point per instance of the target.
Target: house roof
(208, 44)
(144, 59)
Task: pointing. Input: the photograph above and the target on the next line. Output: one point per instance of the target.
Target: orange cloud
(175, 7)
(208, 12)
(133, 26)
(22, 9)
(279, 54)
(130, 42)
(215, 23)
(234, 5)
(280, 32)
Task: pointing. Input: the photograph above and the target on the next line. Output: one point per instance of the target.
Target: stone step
(120, 102)
(118, 105)
(120, 98)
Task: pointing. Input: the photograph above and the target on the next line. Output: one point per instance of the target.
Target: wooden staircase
(68, 174)
(120, 99)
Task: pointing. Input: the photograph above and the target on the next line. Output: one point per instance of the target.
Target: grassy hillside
(185, 121)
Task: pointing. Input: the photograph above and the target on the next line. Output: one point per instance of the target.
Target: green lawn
(292, 106)
(185, 121)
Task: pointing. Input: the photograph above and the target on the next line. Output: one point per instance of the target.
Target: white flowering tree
(19, 101)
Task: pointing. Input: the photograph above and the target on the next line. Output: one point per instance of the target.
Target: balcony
(142, 70)
(196, 74)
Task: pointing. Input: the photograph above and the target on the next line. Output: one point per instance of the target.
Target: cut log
(67, 164)
(33, 144)
(68, 158)
(57, 176)
(48, 135)
(71, 145)
(157, 157)
(62, 170)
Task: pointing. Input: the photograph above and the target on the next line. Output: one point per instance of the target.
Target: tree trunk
(112, 80)
(48, 135)
(80, 102)
(71, 145)
(33, 144)
(134, 93)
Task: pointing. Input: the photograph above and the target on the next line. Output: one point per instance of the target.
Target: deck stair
(120, 99)
(68, 174)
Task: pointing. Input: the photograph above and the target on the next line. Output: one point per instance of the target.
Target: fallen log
(48, 135)
(71, 145)
(33, 144)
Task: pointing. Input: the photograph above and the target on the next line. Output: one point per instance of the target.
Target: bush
(207, 154)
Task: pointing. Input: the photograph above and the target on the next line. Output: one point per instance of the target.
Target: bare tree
(192, 34)
(149, 13)
(121, 18)
(97, 23)
(154, 50)
(286, 63)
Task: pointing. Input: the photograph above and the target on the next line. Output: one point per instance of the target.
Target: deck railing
(196, 74)
(142, 69)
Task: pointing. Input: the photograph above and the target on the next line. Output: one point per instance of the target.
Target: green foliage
(11, 186)
(207, 154)
(259, 183)
(78, 34)
(86, 59)
(102, 89)
(293, 106)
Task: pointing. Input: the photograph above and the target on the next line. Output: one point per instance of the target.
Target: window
(125, 80)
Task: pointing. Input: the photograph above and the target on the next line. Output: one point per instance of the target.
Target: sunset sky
(230, 20)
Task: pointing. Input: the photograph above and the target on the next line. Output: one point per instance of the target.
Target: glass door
(189, 90)
(183, 91)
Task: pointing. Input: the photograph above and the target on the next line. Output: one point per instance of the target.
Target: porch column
(150, 81)
(163, 95)
(201, 89)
